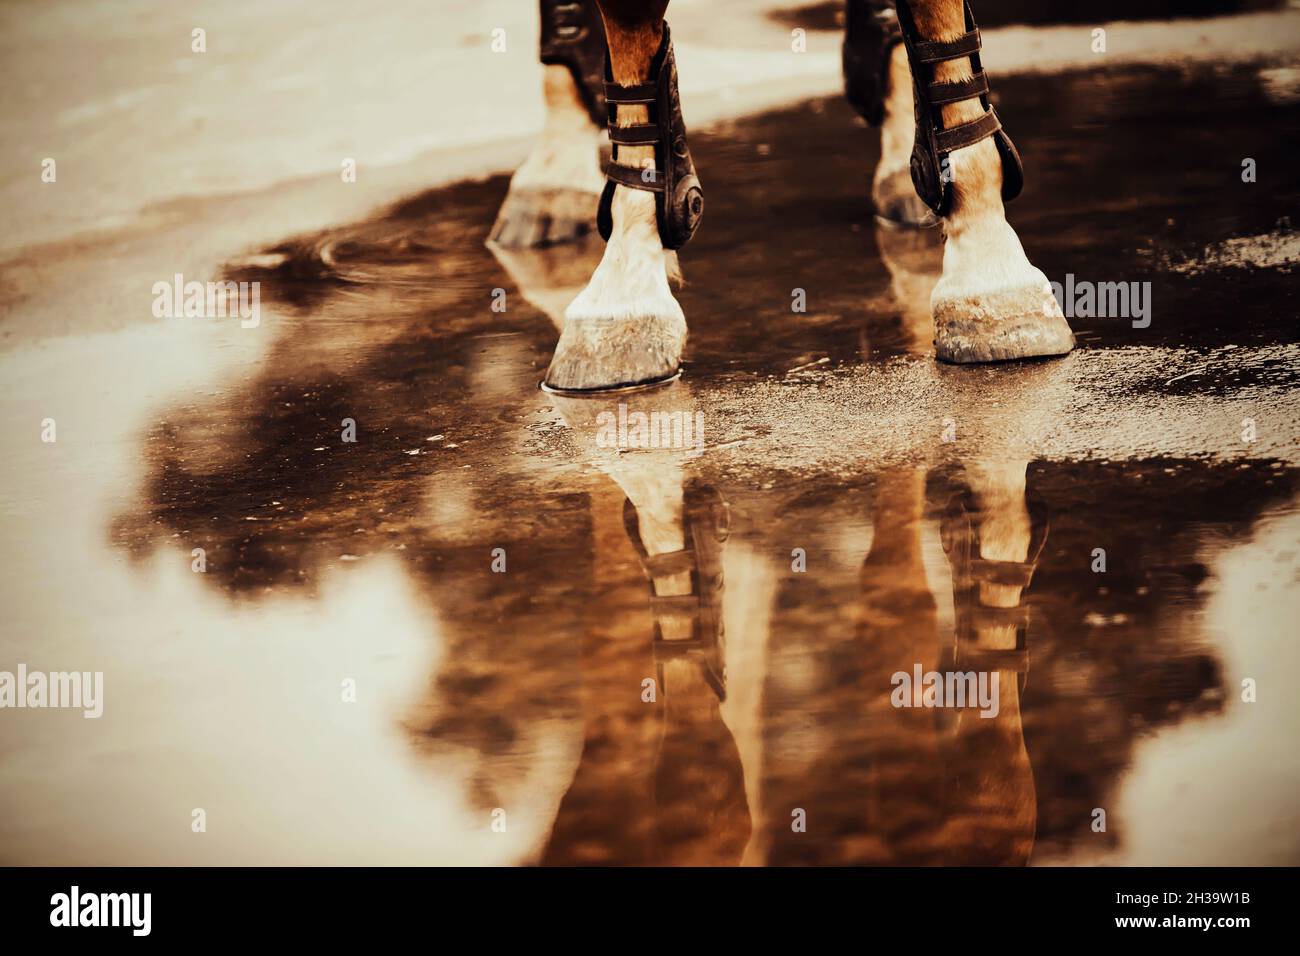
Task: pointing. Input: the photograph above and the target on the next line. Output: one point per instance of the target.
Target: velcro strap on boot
(967, 134)
(666, 649)
(643, 93)
(954, 91)
(668, 563)
(937, 51)
(983, 616)
(1008, 573)
(645, 178)
(679, 199)
(933, 144)
(685, 605)
(642, 134)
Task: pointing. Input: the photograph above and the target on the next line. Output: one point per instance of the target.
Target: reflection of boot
(969, 572)
(701, 806)
(706, 525)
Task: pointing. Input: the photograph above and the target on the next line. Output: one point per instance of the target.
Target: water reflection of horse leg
(699, 783)
(550, 277)
(914, 260)
(608, 814)
(992, 789)
(873, 787)
(896, 629)
(697, 808)
(659, 780)
(702, 810)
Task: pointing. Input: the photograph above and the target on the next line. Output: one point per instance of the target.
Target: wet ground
(829, 14)
(469, 568)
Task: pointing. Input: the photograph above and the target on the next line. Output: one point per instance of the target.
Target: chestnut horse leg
(990, 304)
(625, 327)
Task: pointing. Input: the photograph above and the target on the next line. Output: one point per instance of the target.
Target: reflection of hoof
(540, 216)
(999, 325)
(898, 205)
(550, 277)
(612, 353)
(914, 258)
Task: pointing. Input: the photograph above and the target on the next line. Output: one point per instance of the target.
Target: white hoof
(991, 304)
(625, 327)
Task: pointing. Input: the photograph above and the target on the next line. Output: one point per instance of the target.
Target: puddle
(439, 642)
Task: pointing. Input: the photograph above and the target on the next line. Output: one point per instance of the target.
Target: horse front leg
(990, 304)
(625, 327)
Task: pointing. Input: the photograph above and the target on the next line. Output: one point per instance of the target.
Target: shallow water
(468, 569)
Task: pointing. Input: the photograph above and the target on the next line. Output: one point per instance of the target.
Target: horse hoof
(1000, 325)
(897, 203)
(540, 216)
(597, 354)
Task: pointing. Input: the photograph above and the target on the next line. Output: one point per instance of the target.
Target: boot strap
(983, 615)
(931, 173)
(707, 524)
(669, 563)
(679, 200)
(635, 177)
(643, 93)
(1010, 573)
(643, 134)
(937, 51)
(954, 91)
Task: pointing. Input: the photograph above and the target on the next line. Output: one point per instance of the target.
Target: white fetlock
(625, 327)
(991, 304)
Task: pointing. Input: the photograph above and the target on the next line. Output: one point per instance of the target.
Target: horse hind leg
(878, 85)
(553, 194)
